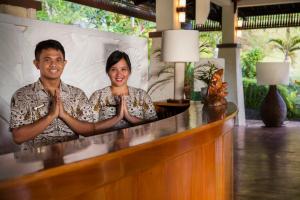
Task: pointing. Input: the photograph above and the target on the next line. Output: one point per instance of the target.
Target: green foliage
(249, 60)
(205, 72)
(168, 75)
(168, 69)
(253, 93)
(189, 79)
(64, 12)
(196, 96)
(209, 41)
(287, 46)
(289, 94)
(189, 74)
(159, 83)
(287, 43)
(59, 11)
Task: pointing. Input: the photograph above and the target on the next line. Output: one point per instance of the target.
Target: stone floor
(259, 123)
(267, 162)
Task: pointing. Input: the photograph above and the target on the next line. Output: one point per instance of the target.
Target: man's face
(51, 64)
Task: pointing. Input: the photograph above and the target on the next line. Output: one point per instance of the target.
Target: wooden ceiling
(255, 15)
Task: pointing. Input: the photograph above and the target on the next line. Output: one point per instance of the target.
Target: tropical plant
(167, 71)
(287, 46)
(211, 39)
(64, 12)
(249, 60)
(204, 72)
(253, 93)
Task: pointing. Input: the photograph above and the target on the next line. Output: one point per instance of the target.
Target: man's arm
(86, 128)
(29, 131)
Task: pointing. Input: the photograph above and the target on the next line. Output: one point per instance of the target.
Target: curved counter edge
(194, 163)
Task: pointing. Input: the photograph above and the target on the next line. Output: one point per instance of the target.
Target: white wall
(86, 52)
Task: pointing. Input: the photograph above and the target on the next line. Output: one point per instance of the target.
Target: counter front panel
(186, 156)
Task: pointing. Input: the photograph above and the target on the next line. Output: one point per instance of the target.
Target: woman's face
(119, 73)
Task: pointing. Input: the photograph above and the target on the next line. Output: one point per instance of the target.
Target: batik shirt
(105, 105)
(30, 103)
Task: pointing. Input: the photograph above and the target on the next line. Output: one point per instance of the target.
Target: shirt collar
(38, 86)
(64, 87)
(130, 91)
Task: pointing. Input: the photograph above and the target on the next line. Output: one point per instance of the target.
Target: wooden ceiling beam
(222, 2)
(118, 8)
(251, 3)
(24, 4)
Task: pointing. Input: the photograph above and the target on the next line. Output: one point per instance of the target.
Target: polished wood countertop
(26, 167)
(22, 163)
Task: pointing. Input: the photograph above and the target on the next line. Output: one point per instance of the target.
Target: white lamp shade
(180, 46)
(202, 11)
(272, 73)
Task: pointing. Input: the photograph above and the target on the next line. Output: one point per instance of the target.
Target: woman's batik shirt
(105, 105)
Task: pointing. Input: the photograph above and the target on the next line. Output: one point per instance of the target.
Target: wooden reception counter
(186, 156)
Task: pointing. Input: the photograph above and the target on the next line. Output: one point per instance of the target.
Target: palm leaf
(166, 70)
(295, 41)
(205, 72)
(287, 46)
(158, 86)
(158, 83)
(157, 51)
(294, 49)
(280, 42)
(205, 47)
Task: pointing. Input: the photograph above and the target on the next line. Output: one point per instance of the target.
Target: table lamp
(273, 109)
(180, 46)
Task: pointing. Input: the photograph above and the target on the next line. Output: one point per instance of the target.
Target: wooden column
(230, 51)
(26, 9)
(166, 19)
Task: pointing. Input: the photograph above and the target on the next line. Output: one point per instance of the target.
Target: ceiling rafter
(145, 9)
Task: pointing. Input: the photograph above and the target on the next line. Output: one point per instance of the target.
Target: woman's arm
(127, 116)
(87, 128)
(81, 127)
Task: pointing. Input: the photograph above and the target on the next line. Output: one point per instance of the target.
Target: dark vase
(273, 109)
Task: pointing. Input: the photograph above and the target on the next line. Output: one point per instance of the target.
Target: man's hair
(48, 44)
(115, 57)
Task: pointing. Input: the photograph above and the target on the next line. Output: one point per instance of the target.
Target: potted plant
(204, 73)
(166, 74)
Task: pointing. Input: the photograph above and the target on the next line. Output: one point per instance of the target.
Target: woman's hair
(115, 57)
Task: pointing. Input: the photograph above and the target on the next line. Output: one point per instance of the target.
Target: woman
(120, 105)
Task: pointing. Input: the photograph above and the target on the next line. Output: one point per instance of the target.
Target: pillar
(26, 9)
(166, 19)
(230, 51)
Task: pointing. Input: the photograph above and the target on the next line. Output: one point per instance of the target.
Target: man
(49, 111)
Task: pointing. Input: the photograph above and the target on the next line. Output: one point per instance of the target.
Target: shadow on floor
(267, 162)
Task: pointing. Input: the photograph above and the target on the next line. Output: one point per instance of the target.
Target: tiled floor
(267, 162)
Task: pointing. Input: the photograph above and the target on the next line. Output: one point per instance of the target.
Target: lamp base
(273, 109)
